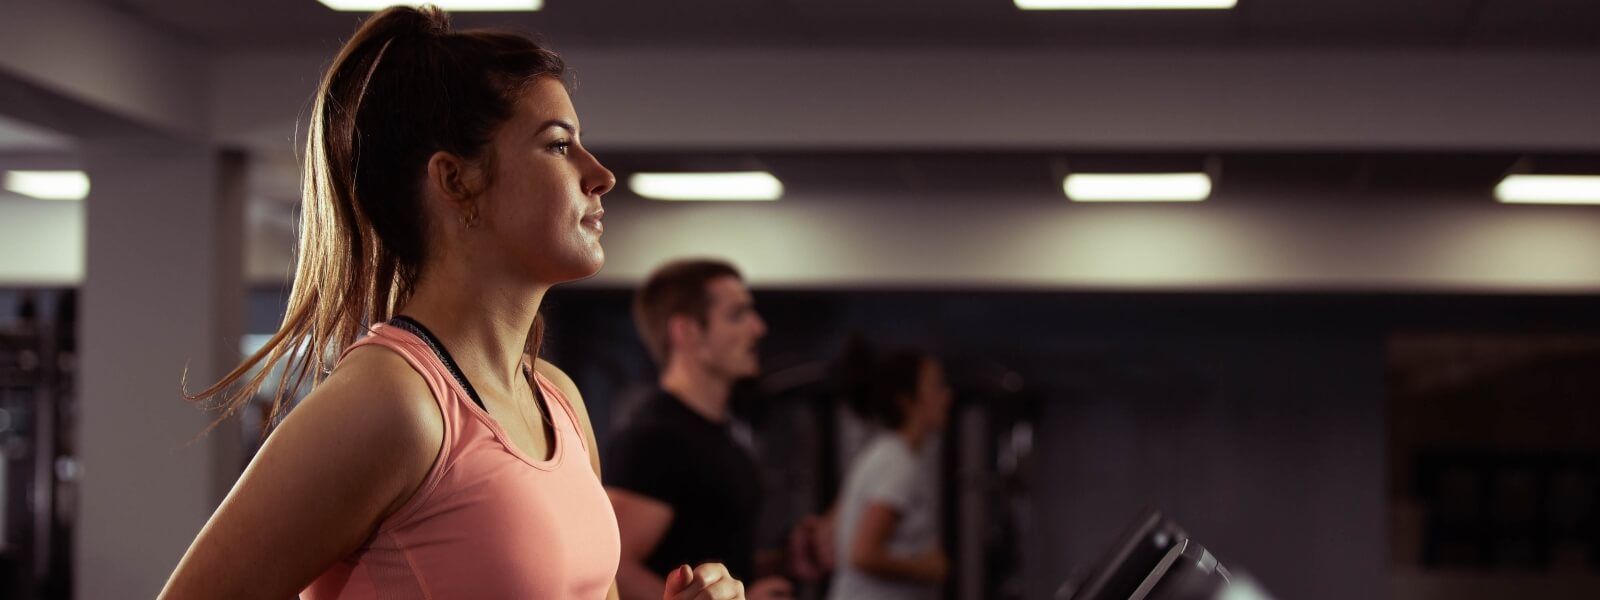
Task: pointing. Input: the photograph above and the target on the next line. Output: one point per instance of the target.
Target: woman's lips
(593, 221)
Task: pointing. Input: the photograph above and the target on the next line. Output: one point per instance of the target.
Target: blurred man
(684, 490)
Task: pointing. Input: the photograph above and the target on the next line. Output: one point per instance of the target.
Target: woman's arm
(351, 453)
(869, 550)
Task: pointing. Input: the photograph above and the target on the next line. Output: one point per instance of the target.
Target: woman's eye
(561, 148)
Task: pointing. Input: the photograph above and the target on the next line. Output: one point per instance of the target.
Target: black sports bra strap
(411, 325)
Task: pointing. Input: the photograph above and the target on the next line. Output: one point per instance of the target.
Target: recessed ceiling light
(49, 185)
(733, 186)
(1549, 189)
(1142, 187)
(450, 5)
(1125, 4)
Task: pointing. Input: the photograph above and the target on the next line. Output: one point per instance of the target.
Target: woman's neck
(913, 433)
(484, 325)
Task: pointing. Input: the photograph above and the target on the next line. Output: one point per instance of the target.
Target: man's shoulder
(650, 425)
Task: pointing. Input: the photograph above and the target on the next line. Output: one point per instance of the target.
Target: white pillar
(162, 293)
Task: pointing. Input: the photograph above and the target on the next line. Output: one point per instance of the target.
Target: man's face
(729, 340)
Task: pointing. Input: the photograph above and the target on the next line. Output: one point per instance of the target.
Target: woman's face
(932, 403)
(541, 208)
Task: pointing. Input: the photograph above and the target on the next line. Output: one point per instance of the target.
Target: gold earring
(470, 219)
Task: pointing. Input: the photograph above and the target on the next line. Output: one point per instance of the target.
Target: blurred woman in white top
(888, 542)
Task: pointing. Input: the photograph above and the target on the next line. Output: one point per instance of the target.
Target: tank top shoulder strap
(415, 352)
(421, 357)
(559, 399)
(441, 356)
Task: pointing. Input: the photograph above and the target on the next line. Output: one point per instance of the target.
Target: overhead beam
(1391, 99)
(84, 69)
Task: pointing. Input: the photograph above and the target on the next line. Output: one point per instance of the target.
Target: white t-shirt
(888, 472)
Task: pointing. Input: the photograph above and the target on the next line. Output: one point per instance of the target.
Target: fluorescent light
(1549, 189)
(1144, 187)
(1124, 4)
(450, 5)
(49, 185)
(736, 186)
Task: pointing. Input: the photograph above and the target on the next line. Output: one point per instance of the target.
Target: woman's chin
(573, 268)
(590, 267)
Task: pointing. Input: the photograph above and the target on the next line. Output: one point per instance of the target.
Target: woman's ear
(450, 178)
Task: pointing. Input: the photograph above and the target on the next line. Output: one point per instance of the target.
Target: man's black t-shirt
(674, 455)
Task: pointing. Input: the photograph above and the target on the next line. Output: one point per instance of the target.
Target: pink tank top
(489, 521)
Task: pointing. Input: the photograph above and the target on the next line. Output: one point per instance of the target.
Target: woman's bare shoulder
(375, 398)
